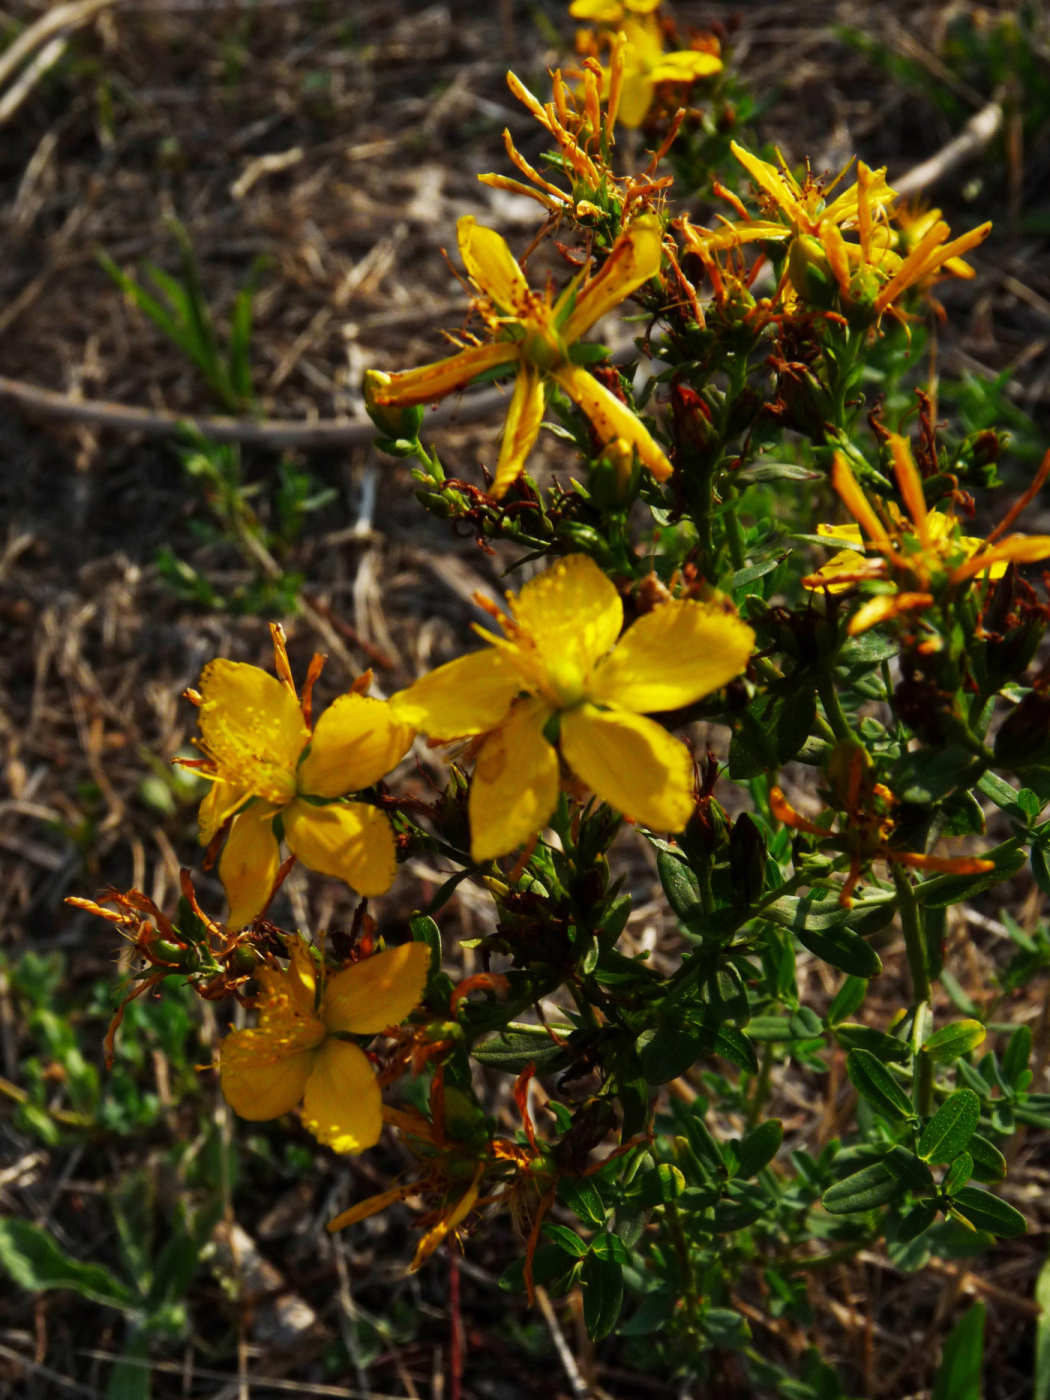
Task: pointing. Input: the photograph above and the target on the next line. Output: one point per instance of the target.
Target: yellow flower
(560, 670)
(646, 65)
(610, 11)
(265, 761)
(869, 270)
(299, 1051)
(537, 335)
(920, 553)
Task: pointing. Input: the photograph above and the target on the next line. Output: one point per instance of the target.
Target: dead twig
(979, 132)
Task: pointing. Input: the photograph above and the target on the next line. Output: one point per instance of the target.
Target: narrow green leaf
(873, 1081)
(959, 1173)
(989, 1164)
(656, 1187)
(951, 1127)
(582, 1198)
(602, 1281)
(565, 1239)
(36, 1262)
(1041, 1388)
(959, 1377)
(864, 1190)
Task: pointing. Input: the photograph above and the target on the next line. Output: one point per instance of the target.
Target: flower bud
(399, 424)
(615, 477)
(810, 272)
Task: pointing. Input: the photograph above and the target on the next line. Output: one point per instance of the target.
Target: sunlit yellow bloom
(560, 671)
(610, 11)
(300, 1051)
(922, 552)
(265, 761)
(536, 335)
(912, 224)
(646, 65)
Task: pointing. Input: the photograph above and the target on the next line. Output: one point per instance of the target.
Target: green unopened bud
(747, 860)
(859, 305)
(398, 424)
(810, 272)
(443, 504)
(615, 477)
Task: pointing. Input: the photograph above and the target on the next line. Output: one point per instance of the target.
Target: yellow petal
(448, 1222)
(829, 579)
(252, 727)
(850, 533)
(355, 742)
(706, 241)
(1016, 549)
(381, 991)
(372, 1205)
(515, 787)
(636, 97)
(434, 381)
(521, 428)
(342, 1105)
(685, 66)
(491, 265)
(264, 1074)
(633, 259)
(631, 763)
(249, 863)
(676, 654)
(611, 418)
(220, 802)
(466, 696)
(347, 840)
(858, 505)
(910, 484)
(884, 607)
(597, 11)
(571, 613)
(768, 178)
(837, 252)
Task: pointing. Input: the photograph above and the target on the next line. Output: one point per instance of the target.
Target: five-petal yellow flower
(646, 65)
(266, 762)
(537, 336)
(299, 1051)
(560, 677)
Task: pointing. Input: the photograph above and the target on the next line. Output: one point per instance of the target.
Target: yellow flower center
(567, 682)
(543, 347)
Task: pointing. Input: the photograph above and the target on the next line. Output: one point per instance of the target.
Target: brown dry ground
(158, 109)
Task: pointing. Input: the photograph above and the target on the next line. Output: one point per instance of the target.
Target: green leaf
(959, 1377)
(874, 1083)
(680, 883)
(952, 1041)
(866, 650)
(36, 1262)
(656, 1187)
(914, 1172)
(886, 1048)
(997, 790)
(951, 1127)
(929, 774)
(759, 1147)
(1018, 1053)
(602, 1281)
(794, 723)
(954, 889)
(610, 1247)
(989, 1164)
(864, 1190)
(820, 926)
(582, 1198)
(667, 1052)
(565, 1239)
(848, 999)
(775, 471)
(654, 1313)
(733, 1045)
(743, 577)
(987, 1212)
(520, 1045)
(549, 1264)
(1041, 1389)
(959, 1173)
(919, 1218)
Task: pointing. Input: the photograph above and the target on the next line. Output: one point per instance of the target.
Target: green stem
(761, 1093)
(919, 966)
(829, 698)
(685, 1263)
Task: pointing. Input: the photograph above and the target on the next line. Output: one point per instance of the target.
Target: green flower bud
(399, 424)
(810, 272)
(614, 478)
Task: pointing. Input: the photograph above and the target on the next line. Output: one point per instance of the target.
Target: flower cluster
(672, 582)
